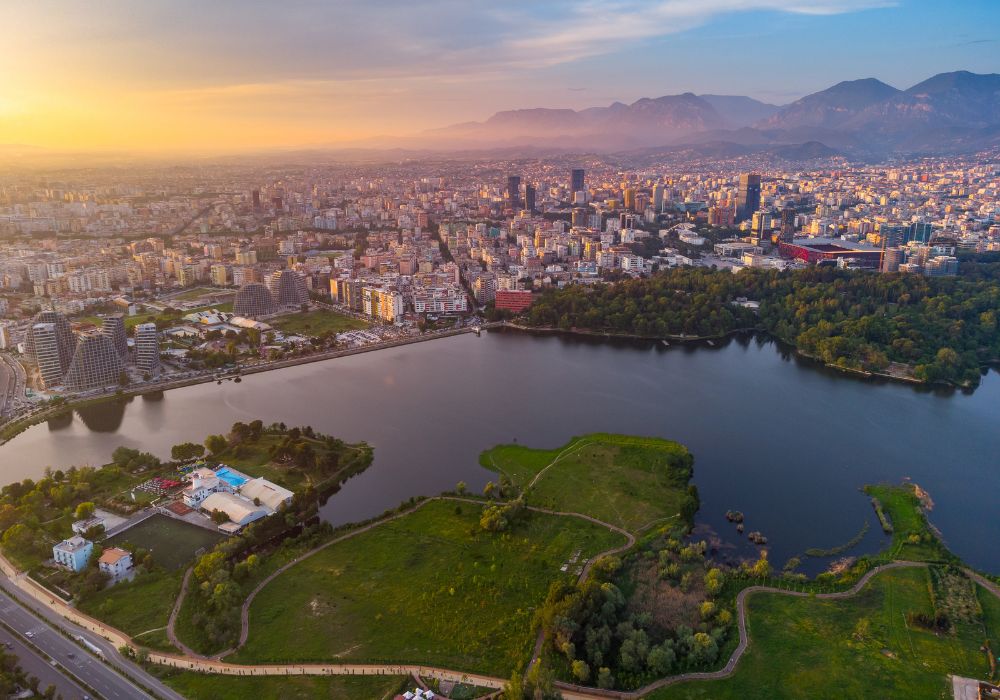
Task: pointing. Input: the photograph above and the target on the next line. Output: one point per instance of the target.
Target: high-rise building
(787, 234)
(253, 300)
(658, 198)
(347, 292)
(45, 350)
(64, 335)
(514, 190)
(220, 275)
(255, 198)
(576, 180)
(920, 232)
(892, 258)
(113, 326)
(893, 236)
(579, 216)
(147, 348)
(628, 197)
(287, 288)
(383, 304)
(748, 196)
(529, 197)
(95, 364)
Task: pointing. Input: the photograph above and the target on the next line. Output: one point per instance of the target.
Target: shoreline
(864, 373)
(18, 424)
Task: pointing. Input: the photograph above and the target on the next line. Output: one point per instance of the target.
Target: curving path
(245, 609)
(741, 615)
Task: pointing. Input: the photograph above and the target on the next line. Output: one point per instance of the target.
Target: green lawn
(201, 686)
(255, 460)
(313, 323)
(137, 606)
(627, 481)
(860, 647)
(430, 587)
(172, 543)
(912, 538)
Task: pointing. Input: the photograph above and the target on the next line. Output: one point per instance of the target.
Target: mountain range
(948, 113)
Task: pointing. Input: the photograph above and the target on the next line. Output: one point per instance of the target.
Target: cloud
(180, 44)
(596, 27)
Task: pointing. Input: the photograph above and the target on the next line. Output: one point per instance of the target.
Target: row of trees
(945, 328)
(13, 679)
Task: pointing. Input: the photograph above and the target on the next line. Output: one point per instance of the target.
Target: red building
(513, 300)
(815, 250)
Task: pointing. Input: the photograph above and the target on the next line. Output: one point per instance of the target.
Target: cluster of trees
(13, 679)
(945, 328)
(34, 515)
(301, 447)
(131, 459)
(608, 643)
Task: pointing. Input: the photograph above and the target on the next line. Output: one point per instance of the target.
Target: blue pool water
(231, 478)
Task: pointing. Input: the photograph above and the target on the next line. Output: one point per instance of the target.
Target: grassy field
(912, 538)
(172, 543)
(862, 647)
(430, 587)
(201, 686)
(312, 323)
(626, 481)
(137, 606)
(255, 460)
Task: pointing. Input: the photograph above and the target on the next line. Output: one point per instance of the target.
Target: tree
(604, 678)
(84, 511)
(187, 450)
(581, 671)
(219, 517)
(215, 444)
(762, 567)
(460, 487)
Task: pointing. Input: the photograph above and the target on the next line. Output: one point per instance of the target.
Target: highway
(76, 659)
(34, 664)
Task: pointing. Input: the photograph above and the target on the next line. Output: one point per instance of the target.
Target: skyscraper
(748, 197)
(95, 364)
(787, 234)
(65, 340)
(514, 190)
(920, 232)
(658, 198)
(45, 351)
(529, 197)
(628, 195)
(255, 198)
(576, 179)
(287, 288)
(113, 326)
(253, 300)
(147, 348)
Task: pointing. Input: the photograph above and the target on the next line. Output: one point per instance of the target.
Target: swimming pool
(230, 477)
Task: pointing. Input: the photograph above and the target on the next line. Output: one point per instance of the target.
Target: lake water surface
(786, 442)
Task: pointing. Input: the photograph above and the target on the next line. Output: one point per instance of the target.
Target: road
(34, 664)
(105, 680)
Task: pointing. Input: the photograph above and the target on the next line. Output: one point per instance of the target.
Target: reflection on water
(105, 417)
(778, 437)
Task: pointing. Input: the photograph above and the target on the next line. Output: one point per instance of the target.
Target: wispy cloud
(597, 27)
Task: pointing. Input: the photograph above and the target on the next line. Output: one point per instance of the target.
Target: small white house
(73, 553)
(115, 562)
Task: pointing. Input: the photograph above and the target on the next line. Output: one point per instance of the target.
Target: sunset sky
(228, 75)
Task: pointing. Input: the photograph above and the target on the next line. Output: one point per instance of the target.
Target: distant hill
(856, 117)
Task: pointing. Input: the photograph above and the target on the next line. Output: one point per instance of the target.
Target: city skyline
(245, 77)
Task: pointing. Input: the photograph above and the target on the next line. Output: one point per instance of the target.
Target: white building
(73, 553)
(115, 562)
(240, 511)
(269, 495)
